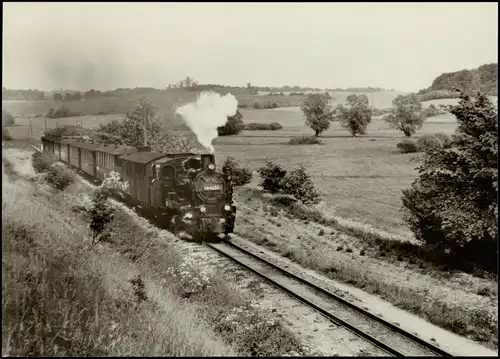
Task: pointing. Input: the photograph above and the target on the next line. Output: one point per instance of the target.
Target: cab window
(192, 163)
(167, 173)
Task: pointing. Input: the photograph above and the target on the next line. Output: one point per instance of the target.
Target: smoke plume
(210, 111)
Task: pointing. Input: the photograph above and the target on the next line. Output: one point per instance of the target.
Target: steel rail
(335, 297)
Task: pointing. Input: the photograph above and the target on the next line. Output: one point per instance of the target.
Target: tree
(240, 176)
(406, 114)
(141, 123)
(90, 94)
(233, 126)
(271, 176)
(317, 112)
(7, 118)
(452, 205)
(58, 96)
(356, 115)
(299, 184)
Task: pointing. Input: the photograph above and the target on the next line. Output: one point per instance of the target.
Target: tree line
(187, 84)
(484, 79)
(406, 114)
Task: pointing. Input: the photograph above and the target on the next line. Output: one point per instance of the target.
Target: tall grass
(477, 321)
(135, 246)
(57, 298)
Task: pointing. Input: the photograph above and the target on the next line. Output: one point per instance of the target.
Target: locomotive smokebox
(206, 159)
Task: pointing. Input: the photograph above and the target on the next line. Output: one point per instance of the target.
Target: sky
(327, 45)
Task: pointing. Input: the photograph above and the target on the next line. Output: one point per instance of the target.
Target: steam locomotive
(183, 188)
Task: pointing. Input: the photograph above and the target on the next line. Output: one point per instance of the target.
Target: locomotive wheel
(200, 237)
(176, 225)
(207, 237)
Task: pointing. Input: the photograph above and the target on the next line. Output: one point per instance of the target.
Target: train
(182, 189)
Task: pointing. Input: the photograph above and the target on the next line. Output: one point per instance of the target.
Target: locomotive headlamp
(203, 209)
(227, 207)
(211, 166)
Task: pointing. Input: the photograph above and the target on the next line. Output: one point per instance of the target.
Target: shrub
(298, 183)
(436, 94)
(444, 138)
(100, 214)
(380, 111)
(432, 111)
(452, 205)
(271, 175)
(7, 118)
(407, 146)
(239, 175)
(41, 162)
(68, 130)
(426, 142)
(59, 177)
(263, 126)
(304, 140)
(233, 126)
(61, 112)
(6, 136)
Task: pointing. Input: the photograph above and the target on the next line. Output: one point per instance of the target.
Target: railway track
(382, 334)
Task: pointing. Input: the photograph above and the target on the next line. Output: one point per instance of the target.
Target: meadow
(360, 178)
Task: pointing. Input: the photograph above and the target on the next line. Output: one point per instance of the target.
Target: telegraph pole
(30, 129)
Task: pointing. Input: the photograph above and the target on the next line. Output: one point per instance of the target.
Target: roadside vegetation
(122, 271)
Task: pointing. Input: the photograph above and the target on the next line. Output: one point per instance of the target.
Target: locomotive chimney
(207, 159)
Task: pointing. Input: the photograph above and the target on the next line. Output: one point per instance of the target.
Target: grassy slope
(60, 298)
(456, 301)
(133, 247)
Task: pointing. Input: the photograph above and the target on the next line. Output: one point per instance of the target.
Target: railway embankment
(119, 296)
(241, 313)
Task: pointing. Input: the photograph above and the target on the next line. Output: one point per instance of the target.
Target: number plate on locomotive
(212, 188)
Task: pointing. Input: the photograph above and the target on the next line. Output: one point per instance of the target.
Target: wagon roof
(172, 156)
(85, 145)
(116, 150)
(143, 157)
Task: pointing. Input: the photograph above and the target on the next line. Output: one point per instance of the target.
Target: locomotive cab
(190, 186)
